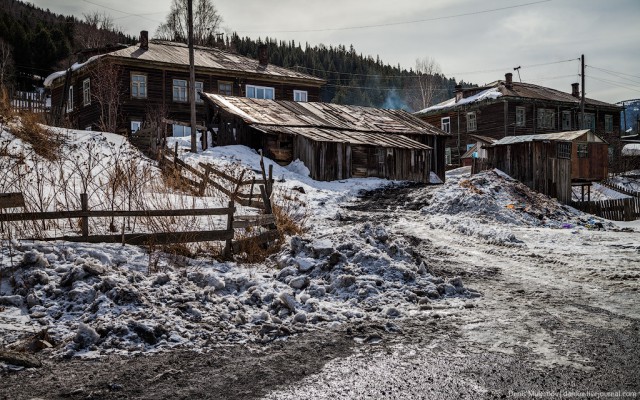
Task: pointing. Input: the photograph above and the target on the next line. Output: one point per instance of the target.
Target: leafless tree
(97, 30)
(428, 82)
(107, 91)
(206, 21)
(6, 63)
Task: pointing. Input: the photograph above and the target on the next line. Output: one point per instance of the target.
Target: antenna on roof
(518, 69)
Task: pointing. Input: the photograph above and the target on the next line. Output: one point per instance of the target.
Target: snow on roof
(631, 149)
(76, 66)
(567, 136)
(491, 93)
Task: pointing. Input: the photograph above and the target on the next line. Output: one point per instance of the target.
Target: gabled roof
(171, 53)
(557, 136)
(292, 114)
(499, 89)
(484, 139)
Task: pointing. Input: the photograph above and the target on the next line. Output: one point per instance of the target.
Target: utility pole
(583, 91)
(192, 79)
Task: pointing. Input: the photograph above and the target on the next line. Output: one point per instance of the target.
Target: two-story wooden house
(507, 108)
(154, 75)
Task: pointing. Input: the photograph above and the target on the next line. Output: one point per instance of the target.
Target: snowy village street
(557, 315)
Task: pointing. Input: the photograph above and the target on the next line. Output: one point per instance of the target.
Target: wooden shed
(552, 163)
(334, 141)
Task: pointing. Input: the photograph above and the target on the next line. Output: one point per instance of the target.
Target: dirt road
(559, 317)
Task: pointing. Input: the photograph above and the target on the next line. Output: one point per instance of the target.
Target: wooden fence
(29, 101)
(616, 210)
(620, 188)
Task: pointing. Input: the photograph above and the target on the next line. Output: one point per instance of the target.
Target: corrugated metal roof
(345, 136)
(207, 57)
(518, 89)
(485, 139)
(324, 115)
(560, 136)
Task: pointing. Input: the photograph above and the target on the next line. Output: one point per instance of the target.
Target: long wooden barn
(552, 163)
(334, 141)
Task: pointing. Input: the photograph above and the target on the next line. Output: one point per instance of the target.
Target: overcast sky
(476, 41)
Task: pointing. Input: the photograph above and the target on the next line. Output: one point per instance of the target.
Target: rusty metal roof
(557, 136)
(345, 136)
(323, 115)
(172, 53)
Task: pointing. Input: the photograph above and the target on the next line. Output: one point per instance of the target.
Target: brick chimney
(458, 93)
(575, 90)
(144, 40)
(263, 55)
(508, 80)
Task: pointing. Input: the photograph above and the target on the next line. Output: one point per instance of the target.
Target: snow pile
(488, 94)
(629, 181)
(494, 196)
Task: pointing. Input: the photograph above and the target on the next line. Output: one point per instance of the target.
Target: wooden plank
(252, 220)
(11, 200)
(35, 216)
(142, 239)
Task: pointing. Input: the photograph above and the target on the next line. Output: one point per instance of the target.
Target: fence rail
(616, 210)
(29, 101)
(620, 188)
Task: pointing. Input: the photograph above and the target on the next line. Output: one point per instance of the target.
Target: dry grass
(45, 142)
(6, 111)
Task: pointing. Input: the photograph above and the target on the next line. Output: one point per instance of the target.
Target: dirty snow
(488, 94)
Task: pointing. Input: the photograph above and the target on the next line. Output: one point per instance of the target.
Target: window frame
(582, 149)
(589, 119)
(445, 124)
(546, 118)
(608, 123)
(135, 122)
(183, 128)
(563, 150)
(70, 99)
(142, 84)
(566, 114)
(521, 116)
(256, 88)
(447, 155)
(86, 92)
(182, 90)
(230, 93)
(472, 121)
(300, 92)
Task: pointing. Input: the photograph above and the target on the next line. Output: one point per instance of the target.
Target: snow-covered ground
(103, 299)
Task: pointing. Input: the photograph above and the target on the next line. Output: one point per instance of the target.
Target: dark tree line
(351, 77)
(41, 41)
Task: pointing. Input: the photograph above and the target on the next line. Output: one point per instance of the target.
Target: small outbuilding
(334, 141)
(552, 163)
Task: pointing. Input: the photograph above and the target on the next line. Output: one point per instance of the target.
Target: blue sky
(475, 41)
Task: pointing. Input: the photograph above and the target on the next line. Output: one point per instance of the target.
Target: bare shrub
(44, 141)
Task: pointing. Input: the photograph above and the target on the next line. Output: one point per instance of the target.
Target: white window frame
(138, 86)
(260, 92)
(86, 92)
(300, 96)
(447, 155)
(199, 89)
(472, 122)
(135, 126)
(445, 124)
(182, 130)
(520, 116)
(566, 120)
(179, 90)
(70, 99)
(608, 123)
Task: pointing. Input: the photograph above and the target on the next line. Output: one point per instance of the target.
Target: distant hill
(42, 41)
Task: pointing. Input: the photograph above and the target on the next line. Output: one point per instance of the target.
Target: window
(260, 92)
(199, 89)
(181, 130)
(139, 86)
(445, 124)
(589, 121)
(566, 120)
(583, 150)
(520, 116)
(135, 126)
(546, 118)
(299, 95)
(471, 121)
(564, 150)
(179, 90)
(70, 100)
(86, 92)
(608, 123)
(225, 88)
(447, 155)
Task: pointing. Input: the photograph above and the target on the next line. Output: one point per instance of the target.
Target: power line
(615, 74)
(124, 12)
(616, 84)
(399, 23)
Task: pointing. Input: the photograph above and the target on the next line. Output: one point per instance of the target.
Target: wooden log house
(334, 141)
(154, 75)
(506, 108)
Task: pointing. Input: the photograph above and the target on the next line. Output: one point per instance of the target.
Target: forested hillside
(36, 42)
(353, 78)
